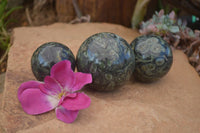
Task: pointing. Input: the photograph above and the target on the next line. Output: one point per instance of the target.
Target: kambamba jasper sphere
(109, 58)
(153, 58)
(47, 55)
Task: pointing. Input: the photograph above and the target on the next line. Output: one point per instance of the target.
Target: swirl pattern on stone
(153, 57)
(47, 55)
(109, 58)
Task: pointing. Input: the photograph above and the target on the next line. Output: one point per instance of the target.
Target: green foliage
(4, 34)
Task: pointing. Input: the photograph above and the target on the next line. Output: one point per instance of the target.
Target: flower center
(61, 94)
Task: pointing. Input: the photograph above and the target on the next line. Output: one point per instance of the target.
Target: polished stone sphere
(47, 55)
(109, 58)
(153, 58)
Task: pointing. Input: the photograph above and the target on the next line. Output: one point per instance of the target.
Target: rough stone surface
(170, 105)
(109, 58)
(47, 55)
(2, 79)
(153, 58)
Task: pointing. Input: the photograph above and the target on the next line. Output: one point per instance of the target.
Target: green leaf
(191, 33)
(164, 27)
(174, 29)
(159, 26)
(1, 24)
(179, 22)
(10, 21)
(3, 5)
(10, 11)
(3, 45)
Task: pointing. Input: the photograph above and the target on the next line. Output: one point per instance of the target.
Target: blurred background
(129, 13)
(42, 12)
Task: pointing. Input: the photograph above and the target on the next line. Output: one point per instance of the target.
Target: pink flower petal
(63, 73)
(69, 95)
(67, 116)
(161, 12)
(72, 95)
(81, 79)
(81, 101)
(26, 85)
(51, 87)
(34, 101)
(172, 15)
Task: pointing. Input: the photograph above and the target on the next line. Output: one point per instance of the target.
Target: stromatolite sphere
(109, 58)
(153, 57)
(47, 55)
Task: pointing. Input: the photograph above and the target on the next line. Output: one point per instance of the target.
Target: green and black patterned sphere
(153, 58)
(47, 55)
(109, 58)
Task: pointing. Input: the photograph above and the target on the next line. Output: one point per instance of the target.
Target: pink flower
(58, 91)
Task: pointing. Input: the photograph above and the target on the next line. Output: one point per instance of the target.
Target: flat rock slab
(2, 79)
(171, 104)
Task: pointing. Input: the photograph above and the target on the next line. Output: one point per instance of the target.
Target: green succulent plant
(160, 24)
